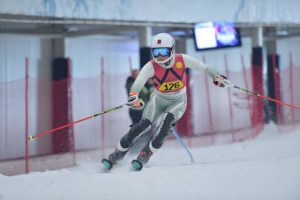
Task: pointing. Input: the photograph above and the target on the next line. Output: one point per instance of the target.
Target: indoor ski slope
(266, 168)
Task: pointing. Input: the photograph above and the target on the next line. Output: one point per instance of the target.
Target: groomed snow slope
(266, 168)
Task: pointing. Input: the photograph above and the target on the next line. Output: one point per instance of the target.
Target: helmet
(163, 44)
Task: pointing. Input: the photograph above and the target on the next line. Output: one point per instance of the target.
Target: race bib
(171, 86)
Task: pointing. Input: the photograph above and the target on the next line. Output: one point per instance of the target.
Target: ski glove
(134, 102)
(222, 81)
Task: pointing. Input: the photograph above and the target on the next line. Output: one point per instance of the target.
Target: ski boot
(142, 159)
(113, 158)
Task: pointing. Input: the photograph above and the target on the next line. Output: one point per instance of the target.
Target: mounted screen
(215, 35)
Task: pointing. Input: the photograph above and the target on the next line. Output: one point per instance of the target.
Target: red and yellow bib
(171, 79)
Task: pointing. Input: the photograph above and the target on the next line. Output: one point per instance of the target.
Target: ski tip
(107, 164)
(137, 165)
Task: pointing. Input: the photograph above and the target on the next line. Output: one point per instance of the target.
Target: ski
(107, 164)
(137, 165)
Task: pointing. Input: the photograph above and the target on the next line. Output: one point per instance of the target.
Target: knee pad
(157, 141)
(136, 130)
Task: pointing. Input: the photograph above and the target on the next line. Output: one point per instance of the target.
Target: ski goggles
(161, 51)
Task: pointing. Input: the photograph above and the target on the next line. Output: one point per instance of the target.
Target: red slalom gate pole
(32, 137)
(276, 90)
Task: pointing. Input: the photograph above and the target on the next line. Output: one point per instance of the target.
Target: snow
(265, 168)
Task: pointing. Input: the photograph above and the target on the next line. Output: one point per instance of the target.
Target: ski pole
(266, 97)
(32, 137)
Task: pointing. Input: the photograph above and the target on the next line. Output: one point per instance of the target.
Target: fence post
(70, 104)
(102, 106)
(229, 101)
(26, 115)
(292, 88)
(211, 127)
(249, 101)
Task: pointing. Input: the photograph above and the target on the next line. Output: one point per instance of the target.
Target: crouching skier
(168, 102)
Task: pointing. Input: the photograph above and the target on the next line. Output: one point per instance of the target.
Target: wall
(289, 51)
(86, 54)
(267, 11)
(13, 51)
(217, 98)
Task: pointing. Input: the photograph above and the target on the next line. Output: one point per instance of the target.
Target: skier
(168, 102)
